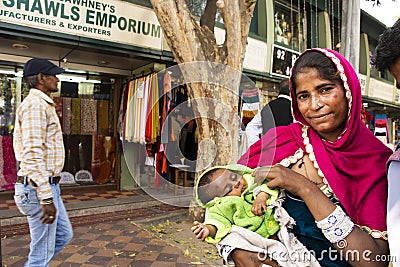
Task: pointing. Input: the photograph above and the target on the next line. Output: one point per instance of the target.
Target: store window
(8, 96)
(85, 112)
(290, 26)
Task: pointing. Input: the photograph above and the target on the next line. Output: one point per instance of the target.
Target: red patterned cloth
(9, 169)
(58, 102)
(9, 173)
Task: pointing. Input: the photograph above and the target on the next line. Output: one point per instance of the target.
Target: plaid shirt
(38, 141)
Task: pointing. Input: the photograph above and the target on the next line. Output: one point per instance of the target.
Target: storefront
(100, 46)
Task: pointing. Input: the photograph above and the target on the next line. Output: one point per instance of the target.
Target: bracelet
(46, 201)
(337, 226)
(335, 217)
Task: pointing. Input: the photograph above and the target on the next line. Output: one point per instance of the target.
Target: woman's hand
(282, 177)
(200, 230)
(260, 204)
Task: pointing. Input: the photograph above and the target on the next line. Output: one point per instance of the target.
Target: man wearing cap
(388, 58)
(39, 148)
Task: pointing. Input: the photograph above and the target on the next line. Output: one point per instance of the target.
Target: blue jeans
(47, 240)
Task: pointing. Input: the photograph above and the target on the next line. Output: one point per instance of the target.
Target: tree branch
(208, 17)
(179, 28)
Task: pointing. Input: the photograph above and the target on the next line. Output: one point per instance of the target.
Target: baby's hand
(260, 204)
(200, 230)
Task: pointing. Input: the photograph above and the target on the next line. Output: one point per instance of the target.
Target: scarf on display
(353, 164)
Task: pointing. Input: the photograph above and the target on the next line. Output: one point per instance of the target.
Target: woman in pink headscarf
(330, 165)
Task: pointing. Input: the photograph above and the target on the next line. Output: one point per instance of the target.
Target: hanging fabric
(88, 116)
(251, 103)
(67, 115)
(161, 159)
(58, 102)
(76, 116)
(102, 117)
(8, 165)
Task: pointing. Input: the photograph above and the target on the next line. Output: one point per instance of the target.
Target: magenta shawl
(354, 164)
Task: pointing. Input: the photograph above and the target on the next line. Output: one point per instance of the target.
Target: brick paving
(121, 243)
(21, 229)
(116, 239)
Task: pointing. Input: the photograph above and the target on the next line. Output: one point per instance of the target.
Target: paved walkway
(135, 231)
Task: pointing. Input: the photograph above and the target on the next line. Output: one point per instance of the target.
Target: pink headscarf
(354, 164)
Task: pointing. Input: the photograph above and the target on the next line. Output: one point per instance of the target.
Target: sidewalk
(129, 228)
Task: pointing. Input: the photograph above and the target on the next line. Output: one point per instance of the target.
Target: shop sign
(381, 90)
(256, 51)
(282, 60)
(114, 21)
(363, 82)
(256, 55)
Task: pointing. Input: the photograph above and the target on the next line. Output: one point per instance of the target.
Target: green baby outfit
(223, 212)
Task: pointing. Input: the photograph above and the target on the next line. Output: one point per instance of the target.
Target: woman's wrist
(336, 226)
(307, 189)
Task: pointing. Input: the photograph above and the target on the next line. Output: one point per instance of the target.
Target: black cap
(35, 66)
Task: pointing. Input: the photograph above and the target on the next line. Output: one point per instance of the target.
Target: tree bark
(215, 105)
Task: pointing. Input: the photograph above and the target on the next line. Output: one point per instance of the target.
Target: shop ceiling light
(20, 46)
(7, 72)
(77, 79)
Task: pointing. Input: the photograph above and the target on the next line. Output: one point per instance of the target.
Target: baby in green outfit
(232, 198)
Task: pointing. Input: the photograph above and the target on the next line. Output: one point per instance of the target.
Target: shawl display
(8, 175)
(88, 116)
(353, 164)
(76, 116)
(67, 115)
(102, 117)
(58, 102)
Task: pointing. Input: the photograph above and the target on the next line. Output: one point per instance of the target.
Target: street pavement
(137, 230)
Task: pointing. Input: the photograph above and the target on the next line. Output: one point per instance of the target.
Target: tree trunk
(350, 37)
(214, 92)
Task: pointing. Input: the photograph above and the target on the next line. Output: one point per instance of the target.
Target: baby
(232, 198)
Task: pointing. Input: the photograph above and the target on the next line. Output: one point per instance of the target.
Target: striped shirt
(38, 141)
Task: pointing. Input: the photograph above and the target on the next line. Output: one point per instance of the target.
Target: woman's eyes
(321, 91)
(326, 89)
(302, 96)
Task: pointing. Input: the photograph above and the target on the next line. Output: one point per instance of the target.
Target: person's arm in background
(393, 212)
(254, 129)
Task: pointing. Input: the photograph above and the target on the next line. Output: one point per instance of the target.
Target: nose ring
(319, 104)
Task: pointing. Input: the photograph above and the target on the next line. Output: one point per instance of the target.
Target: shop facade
(100, 46)
(116, 62)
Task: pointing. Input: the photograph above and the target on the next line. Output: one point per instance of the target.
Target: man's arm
(254, 129)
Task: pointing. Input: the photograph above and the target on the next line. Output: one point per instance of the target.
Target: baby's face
(227, 183)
